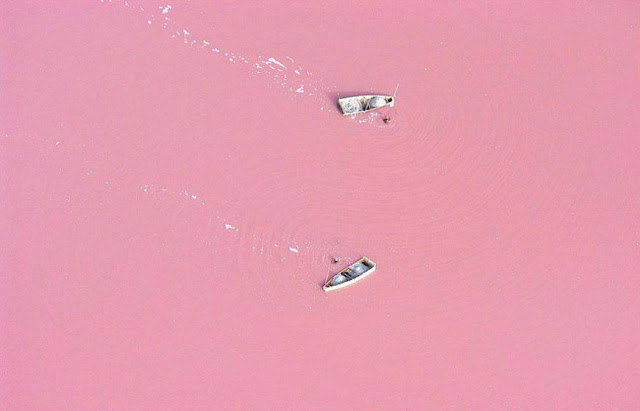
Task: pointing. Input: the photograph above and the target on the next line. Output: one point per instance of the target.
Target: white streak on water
(274, 61)
(256, 63)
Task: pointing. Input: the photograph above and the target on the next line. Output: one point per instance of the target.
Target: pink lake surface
(175, 178)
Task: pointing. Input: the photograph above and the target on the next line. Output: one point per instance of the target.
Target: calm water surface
(175, 179)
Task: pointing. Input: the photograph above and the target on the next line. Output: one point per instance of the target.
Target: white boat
(363, 104)
(350, 275)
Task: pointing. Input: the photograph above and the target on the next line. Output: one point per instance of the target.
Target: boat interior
(353, 271)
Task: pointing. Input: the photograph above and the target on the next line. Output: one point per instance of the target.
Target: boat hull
(347, 272)
(364, 104)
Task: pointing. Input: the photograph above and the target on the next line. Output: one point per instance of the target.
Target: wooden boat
(350, 275)
(363, 104)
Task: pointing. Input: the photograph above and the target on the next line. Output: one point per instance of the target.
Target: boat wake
(283, 71)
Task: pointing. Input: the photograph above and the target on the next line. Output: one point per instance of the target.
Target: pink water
(174, 182)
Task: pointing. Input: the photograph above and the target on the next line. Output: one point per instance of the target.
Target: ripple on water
(444, 165)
